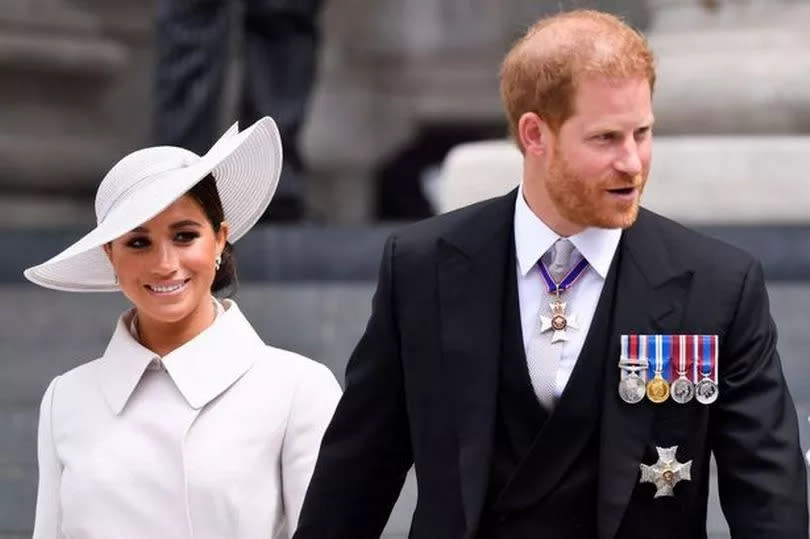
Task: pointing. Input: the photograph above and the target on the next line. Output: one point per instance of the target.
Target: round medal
(706, 391)
(631, 388)
(558, 322)
(682, 390)
(658, 389)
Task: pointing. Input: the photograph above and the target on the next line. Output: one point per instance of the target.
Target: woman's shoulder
(293, 370)
(279, 376)
(273, 361)
(78, 377)
(73, 387)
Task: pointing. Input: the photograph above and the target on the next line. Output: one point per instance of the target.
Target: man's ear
(534, 134)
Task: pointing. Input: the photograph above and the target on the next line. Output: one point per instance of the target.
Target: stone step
(701, 180)
(36, 184)
(78, 56)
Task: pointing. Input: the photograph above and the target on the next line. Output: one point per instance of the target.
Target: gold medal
(657, 389)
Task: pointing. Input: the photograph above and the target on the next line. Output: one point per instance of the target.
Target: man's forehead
(613, 98)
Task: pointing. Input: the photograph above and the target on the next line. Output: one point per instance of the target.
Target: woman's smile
(168, 288)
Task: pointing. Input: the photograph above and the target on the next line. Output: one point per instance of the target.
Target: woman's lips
(167, 289)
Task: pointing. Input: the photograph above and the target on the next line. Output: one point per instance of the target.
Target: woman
(188, 425)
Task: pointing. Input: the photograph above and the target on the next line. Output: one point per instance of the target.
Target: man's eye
(606, 137)
(643, 132)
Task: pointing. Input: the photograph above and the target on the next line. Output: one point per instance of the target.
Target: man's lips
(623, 190)
(625, 195)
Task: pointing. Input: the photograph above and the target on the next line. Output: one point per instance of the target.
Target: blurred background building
(400, 84)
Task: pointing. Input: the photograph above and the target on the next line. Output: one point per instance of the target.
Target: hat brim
(246, 167)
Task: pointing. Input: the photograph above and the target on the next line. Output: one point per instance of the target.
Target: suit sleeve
(48, 519)
(754, 429)
(366, 451)
(316, 396)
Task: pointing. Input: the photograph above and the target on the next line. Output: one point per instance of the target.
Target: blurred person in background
(188, 425)
(559, 362)
(280, 42)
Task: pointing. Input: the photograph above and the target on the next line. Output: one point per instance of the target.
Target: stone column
(389, 66)
(73, 73)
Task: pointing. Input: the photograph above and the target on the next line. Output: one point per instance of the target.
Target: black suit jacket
(421, 389)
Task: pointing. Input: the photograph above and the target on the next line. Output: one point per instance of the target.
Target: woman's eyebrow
(184, 223)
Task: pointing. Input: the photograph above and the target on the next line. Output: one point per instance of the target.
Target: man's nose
(630, 160)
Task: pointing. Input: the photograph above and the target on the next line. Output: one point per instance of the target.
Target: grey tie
(558, 259)
(543, 356)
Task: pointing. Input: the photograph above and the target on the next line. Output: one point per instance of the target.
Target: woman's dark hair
(206, 194)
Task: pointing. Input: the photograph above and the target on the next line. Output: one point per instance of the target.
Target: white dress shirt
(218, 443)
(532, 239)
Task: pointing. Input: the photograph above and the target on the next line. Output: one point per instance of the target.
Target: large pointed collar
(201, 369)
(533, 238)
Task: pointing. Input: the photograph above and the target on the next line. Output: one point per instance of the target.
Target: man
(526, 421)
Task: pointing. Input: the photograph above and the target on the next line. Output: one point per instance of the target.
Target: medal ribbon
(708, 351)
(678, 363)
(644, 354)
(660, 345)
(630, 349)
(567, 281)
(682, 362)
(692, 351)
(630, 359)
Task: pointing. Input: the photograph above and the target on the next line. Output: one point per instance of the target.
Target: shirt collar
(201, 369)
(533, 238)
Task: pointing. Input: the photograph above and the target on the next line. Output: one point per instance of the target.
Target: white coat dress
(219, 441)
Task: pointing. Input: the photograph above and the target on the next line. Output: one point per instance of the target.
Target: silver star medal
(558, 322)
(667, 472)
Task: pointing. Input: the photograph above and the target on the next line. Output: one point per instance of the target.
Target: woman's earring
(115, 277)
(218, 262)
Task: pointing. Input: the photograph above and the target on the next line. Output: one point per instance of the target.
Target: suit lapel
(471, 277)
(650, 297)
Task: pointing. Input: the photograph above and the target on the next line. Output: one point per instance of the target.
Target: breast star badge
(558, 322)
(667, 472)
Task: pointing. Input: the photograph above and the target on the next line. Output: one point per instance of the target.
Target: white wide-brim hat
(245, 165)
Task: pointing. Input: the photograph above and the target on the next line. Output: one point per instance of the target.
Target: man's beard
(585, 201)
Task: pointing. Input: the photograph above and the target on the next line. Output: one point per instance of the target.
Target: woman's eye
(186, 237)
(138, 243)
